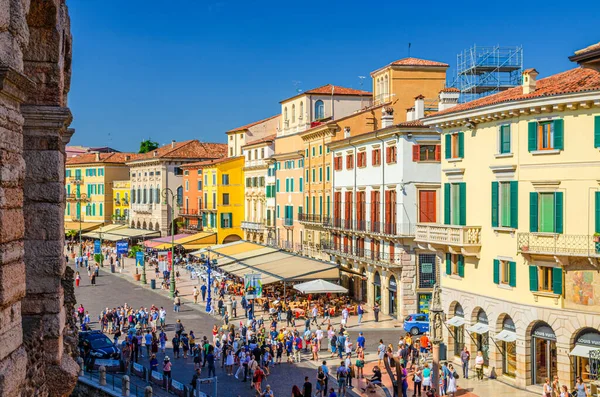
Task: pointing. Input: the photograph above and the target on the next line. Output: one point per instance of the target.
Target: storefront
(377, 289)
(392, 296)
(481, 336)
(586, 341)
(456, 326)
(507, 342)
(544, 357)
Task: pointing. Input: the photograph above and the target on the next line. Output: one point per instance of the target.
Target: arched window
(179, 196)
(133, 195)
(118, 212)
(301, 114)
(145, 195)
(118, 196)
(285, 114)
(319, 110)
(386, 87)
(150, 196)
(157, 194)
(139, 195)
(293, 113)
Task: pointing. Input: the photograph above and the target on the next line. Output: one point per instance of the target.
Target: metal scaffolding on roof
(482, 71)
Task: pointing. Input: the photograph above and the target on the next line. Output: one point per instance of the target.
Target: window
(225, 179)
(205, 180)
(226, 220)
(427, 270)
(199, 185)
(178, 171)
(546, 135)
(214, 201)
(301, 114)
(320, 174)
(376, 157)
(505, 200)
(231, 137)
(261, 181)
(313, 151)
(225, 198)
(546, 212)
(455, 265)
(505, 272)
(301, 186)
(187, 186)
(320, 150)
(337, 163)
(157, 195)
(214, 178)
(254, 181)
(455, 145)
(186, 172)
(293, 113)
(349, 161)
(504, 139)
(546, 279)
(277, 185)
(391, 154)
(151, 196)
(455, 203)
(319, 110)
(327, 173)
(230, 152)
(285, 115)
(426, 153)
(314, 173)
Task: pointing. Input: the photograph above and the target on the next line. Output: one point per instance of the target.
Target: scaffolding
(482, 71)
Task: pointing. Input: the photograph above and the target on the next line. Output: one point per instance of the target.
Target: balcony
(384, 259)
(142, 208)
(190, 229)
(465, 240)
(288, 222)
(253, 226)
(255, 163)
(189, 212)
(362, 227)
(311, 219)
(120, 220)
(76, 218)
(77, 198)
(76, 180)
(560, 246)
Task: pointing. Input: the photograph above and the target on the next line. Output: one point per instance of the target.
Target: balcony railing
(311, 218)
(188, 212)
(364, 255)
(77, 198)
(191, 229)
(253, 226)
(288, 222)
(142, 208)
(362, 226)
(121, 220)
(76, 180)
(559, 244)
(455, 235)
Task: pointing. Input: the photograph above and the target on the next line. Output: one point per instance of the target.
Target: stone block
(43, 248)
(12, 338)
(10, 315)
(12, 168)
(11, 138)
(4, 15)
(11, 225)
(11, 251)
(41, 303)
(63, 376)
(12, 372)
(49, 192)
(12, 282)
(43, 284)
(44, 221)
(43, 165)
(11, 197)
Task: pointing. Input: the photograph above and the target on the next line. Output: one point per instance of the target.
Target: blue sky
(193, 69)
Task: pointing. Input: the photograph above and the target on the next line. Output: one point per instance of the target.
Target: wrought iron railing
(257, 226)
(448, 234)
(559, 244)
(76, 180)
(288, 222)
(365, 255)
(376, 227)
(188, 212)
(310, 218)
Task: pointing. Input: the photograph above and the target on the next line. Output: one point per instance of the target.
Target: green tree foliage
(148, 145)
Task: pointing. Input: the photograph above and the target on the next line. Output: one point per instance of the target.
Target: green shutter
(533, 212)
(278, 212)
(496, 271)
(532, 136)
(461, 265)
(558, 212)
(292, 185)
(559, 134)
(597, 194)
(462, 189)
(512, 279)
(448, 264)
(448, 145)
(514, 204)
(222, 219)
(533, 278)
(597, 131)
(277, 185)
(301, 185)
(461, 145)
(447, 203)
(495, 204)
(557, 280)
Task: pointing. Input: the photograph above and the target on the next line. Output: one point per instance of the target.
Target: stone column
(45, 135)
(370, 286)
(13, 359)
(523, 370)
(385, 303)
(407, 285)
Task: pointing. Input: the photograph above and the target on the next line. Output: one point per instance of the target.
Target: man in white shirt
(345, 314)
(162, 315)
(315, 313)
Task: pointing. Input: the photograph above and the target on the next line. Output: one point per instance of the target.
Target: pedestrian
(257, 379)
(195, 379)
(465, 356)
(268, 392)
(167, 367)
(176, 304)
(234, 307)
(555, 387)
(426, 377)
(564, 391)
(77, 279)
(380, 352)
(307, 388)
(580, 388)
(404, 380)
(326, 372)
(162, 338)
(418, 380)
(93, 279)
(203, 291)
(176, 342)
(360, 311)
(153, 363)
(210, 362)
(341, 374)
(546, 389)
(148, 342)
(451, 389)
(479, 365)
(320, 385)
(376, 311)
(195, 294)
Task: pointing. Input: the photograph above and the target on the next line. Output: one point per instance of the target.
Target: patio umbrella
(320, 287)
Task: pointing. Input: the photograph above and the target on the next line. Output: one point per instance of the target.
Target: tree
(71, 234)
(148, 145)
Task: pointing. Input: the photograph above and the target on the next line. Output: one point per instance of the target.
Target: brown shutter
(438, 152)
(416, 150)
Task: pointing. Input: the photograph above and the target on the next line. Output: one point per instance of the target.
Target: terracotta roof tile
(417, 62)
(337, 90)
(204, 163)
(192, 149)
(450, 89)
(414, 123)
(570, 81)
(270, 138)
(245, 127)
(587, 49)
(105, 158)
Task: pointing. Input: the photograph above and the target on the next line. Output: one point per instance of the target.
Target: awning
(582, 350)
(506, 336)
(122, 234)
(478, 328)
(320, 287)
(196, 246)
(203, 239)
(85, 226)
(163, 240)
(99, 233)
(456, 321)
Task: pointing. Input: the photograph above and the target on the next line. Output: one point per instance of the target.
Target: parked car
(100, 345)
(416, 323)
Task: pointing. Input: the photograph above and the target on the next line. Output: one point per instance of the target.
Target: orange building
(192, 198)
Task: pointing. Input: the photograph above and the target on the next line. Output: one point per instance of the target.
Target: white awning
(320, 287)
(506, 336)
(456, 321)
(478, 328)
(582, 351)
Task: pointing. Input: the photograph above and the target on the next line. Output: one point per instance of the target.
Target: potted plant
(597, 237)
(524, 248)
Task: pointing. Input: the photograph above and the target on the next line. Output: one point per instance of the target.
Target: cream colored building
(518, 237)
(238, 137)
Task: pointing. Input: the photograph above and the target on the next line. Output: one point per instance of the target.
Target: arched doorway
(481, 334)
(456, 325)
(351, 283)
(231, 238)
(377, 289)
(586, 340)
(363, 285)
(507, 338)
(392, 296)
(543, 352)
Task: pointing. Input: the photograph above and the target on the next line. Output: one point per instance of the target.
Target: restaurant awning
(320, 287)
(85, 226)
(155, 242)
(506, 336)
(99, 232)
(582, 351)
(125, 233)
(478, 328)
(456, 321)
(203, 239)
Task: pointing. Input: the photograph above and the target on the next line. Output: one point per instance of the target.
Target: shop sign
(424, 300)
(97, 247)
(122, 247)
(253, 285)
(589, 339)
(139, 258)
(482, 317)
(393, 285)
(458, 311)
(544, 332)
(509, 325)
(427, 268)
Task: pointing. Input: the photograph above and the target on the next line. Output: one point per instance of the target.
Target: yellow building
(89, 187)
(518, 245)
(223, 197)
(121, 201)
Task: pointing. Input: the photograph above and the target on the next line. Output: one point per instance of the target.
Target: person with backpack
(341, 375)
(341, 345)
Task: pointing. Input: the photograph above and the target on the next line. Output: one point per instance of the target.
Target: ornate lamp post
(436, 318)
(79, 199)
(209, 262)
(166, 193)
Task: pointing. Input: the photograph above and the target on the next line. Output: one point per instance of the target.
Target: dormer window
(319, 110)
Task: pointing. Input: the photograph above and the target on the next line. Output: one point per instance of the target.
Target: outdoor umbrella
(320, 287)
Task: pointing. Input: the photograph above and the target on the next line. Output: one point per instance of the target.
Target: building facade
(121, 201)
(154, 172)
(518, 236)
(239, 137)
(192, 198)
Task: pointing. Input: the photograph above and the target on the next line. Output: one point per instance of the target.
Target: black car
(98, 345)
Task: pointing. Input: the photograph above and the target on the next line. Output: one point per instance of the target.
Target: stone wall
(37, 338)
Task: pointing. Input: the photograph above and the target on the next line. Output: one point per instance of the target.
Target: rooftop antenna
(409, 50)
(362, 80)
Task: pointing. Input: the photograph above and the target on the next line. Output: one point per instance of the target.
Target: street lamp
(166, 192)
(206, 258)
(79, 199)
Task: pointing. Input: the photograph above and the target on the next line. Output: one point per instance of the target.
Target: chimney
(529, 77)
(419, 107)
(346, 132)
(127, 157)
(173, 143)
(155, 153)
(410, 114)
(97, 156)
(448, 98)
(387, 117)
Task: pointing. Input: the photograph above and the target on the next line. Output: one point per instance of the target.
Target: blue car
(416, 323)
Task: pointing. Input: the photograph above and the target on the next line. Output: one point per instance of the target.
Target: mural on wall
(582, 289)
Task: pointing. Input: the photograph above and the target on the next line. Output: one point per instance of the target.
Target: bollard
(125, 386)
(148, 391)
(102, 375)
(80, 363)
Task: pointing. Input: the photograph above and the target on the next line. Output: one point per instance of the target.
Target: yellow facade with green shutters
(121, 201)
(223, 197)
(518, 244)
